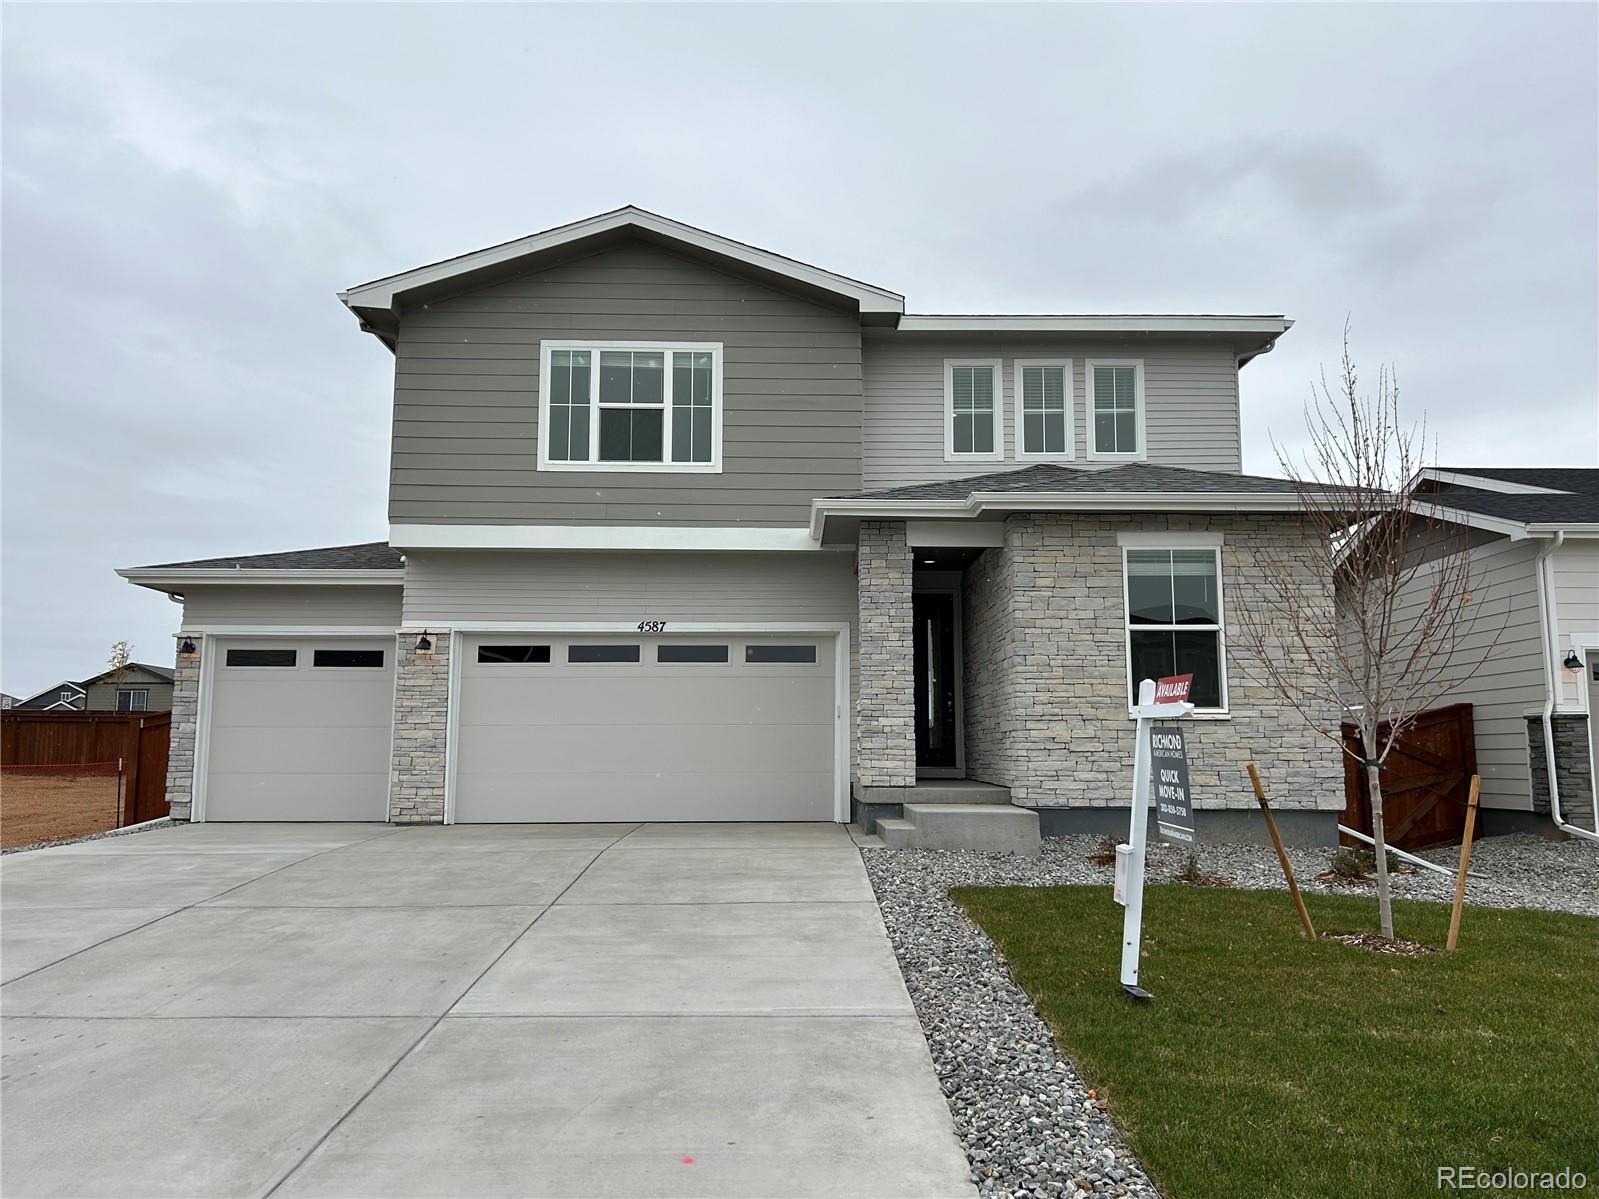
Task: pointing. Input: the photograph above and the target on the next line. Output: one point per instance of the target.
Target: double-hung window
(972, 410)
(133, 701)
(1044, 408)
(1174, 620)
(619, 406)
(1115, 408)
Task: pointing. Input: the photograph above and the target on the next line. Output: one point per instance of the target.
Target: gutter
(1549, 618)
(163, 579)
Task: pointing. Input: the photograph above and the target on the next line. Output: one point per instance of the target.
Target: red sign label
(1173, 689)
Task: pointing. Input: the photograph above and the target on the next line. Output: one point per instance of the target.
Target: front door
(936, 735)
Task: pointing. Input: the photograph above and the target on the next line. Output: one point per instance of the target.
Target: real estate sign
(1168, 761)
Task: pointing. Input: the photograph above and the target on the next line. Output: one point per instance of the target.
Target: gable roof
(1520, 499)
(160, 672)
(376, 304)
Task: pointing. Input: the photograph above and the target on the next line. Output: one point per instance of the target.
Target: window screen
(602, 653)
(262, 657)
(779, 653)
(347, 658)
(691, 653)
(513, 653)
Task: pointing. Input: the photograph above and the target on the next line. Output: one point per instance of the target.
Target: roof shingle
(369, 555)
(1139, 478)
(1573, 498)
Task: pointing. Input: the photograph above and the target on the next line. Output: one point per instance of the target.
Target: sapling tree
(1403, 628)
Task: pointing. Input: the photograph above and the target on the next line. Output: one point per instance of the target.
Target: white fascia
(383, 293)
(1483, 483)
(600, 537)
(1268, 325)
(163, 579)
(980, 502)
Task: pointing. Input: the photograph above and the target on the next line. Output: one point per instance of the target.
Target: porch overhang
(836, 519)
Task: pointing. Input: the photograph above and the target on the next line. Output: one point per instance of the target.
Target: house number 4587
(652, 626)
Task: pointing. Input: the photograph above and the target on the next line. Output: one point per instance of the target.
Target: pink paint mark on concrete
(688, 1159)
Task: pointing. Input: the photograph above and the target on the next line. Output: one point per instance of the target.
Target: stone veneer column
(421, 696)
(180, 749)
(1571, 768)
(885, 720)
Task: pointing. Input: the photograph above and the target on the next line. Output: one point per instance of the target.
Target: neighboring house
(7, 701)
(139, 687)
(1533, 535)
(65, 696)
(682, 529)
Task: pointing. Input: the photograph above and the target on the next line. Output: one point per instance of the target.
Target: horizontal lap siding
(1505, 637)
(1190, 391)
(466, 397)
(266, 605)
(1576, 576)
(520, 586)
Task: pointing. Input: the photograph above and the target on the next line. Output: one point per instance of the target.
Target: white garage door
(300, 728)
(613, 727)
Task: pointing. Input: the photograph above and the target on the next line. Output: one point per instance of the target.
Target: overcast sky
(187, 186)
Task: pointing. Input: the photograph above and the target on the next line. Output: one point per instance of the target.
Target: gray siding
(103, 696)
(264, 605)
(1190, 395)
(466, 397)
(1506, 639)
(516, 586)
(1575, 567)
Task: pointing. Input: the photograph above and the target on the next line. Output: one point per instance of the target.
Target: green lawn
(1268, 1066)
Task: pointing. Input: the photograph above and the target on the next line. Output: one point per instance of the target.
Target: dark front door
(935, 681)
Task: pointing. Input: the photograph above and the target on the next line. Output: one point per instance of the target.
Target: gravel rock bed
(1020, 1108)
(101, 836)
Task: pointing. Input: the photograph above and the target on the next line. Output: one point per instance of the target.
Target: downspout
(1548, 617)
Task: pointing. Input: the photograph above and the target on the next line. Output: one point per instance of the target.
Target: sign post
(1166, 699)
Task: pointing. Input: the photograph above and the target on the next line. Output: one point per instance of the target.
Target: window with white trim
(1044, 408)
(620, 406)
(1174, 621)
(133, 701)
(1115, 408)
(972, 410)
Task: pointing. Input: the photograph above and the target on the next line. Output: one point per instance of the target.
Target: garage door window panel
(281, 659)
(513, 654)
(774, 655)
(348, 659)
(591, 654)
(697, 654)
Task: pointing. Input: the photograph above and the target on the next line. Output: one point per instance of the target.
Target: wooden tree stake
(1282, 854)
(1465, 861)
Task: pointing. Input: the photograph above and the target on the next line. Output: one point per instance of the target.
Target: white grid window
(1115, 408)
(972, 410)
(1044, 422)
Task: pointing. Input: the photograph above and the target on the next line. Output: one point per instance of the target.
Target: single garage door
(645, 728)
(300, 728)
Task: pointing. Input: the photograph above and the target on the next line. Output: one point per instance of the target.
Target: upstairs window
(1044, 408)
(645, 406)
(971, 410)
(1115, 408)
(133, 701)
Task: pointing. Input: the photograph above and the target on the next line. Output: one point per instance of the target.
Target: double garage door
(548, 728)
(645, 728)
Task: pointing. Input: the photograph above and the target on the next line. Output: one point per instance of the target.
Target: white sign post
(1165, 700)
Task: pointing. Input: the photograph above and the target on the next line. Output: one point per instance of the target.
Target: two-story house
(682, 529)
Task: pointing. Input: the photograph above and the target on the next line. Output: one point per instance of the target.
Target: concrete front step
(988, 827)
(957, 791)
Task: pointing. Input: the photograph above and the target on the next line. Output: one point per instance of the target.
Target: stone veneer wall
(180, 749)
(885, 730)
(985, 655)
(1062, 669)
(421, 698)
(1571, 768)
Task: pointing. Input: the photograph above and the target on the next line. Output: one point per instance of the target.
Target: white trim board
(600, 537)
(842, 710)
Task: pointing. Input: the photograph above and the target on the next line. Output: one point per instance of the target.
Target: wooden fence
(139, 740)
(1424, 783)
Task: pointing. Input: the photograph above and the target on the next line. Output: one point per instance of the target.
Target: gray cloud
(186, 186)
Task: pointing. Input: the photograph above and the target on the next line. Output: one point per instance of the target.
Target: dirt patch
(55, 806)
(1377, 943)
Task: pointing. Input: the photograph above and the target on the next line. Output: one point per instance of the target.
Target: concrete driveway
(659, 1010)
